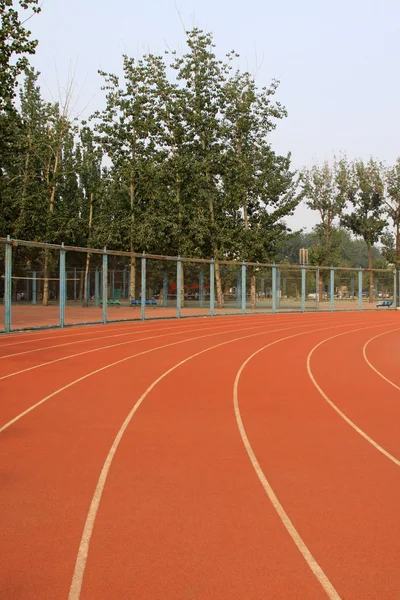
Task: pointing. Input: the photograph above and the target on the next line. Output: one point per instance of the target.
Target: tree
(365, 191)
(15, 47)
(324, 189)
(258, 184)
(392, 205)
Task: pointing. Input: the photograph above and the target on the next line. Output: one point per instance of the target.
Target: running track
(235, 458)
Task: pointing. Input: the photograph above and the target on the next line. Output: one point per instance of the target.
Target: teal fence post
(96, 287)
(62, 286)
(395, 290)
(201, 288)
(8, 285)
(243, 288)
(178, 288)
(27, 290)
(360, 284)
(303, 289)
(105, 286)
(165, 287)
(143, 289)
(317, 289)
(274, 289)
(212, 288)
(332, 290)
(34, 287)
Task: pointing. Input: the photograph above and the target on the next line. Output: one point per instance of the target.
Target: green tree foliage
(365, 192)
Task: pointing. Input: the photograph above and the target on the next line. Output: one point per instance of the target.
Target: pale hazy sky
(337, 61)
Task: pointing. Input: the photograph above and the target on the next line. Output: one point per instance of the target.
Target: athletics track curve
(181, 513)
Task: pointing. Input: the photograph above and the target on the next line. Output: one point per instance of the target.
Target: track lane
(52, 375)
(51, 463)
(382, 353)
(339, 492)
(369, 402)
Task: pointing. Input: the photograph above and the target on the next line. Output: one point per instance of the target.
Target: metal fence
(47, 285)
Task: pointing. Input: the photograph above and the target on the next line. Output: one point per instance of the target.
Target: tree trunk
(87, 267)
(371, 275)
(253, 292)
(320, 287)
(132, 285)
(46, 278)
(220, 299)
(81, 286)
(85, 281)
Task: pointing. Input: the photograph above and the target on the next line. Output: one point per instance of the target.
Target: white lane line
(60, 359)
(337, 409)
(371, 365)
(284, 517)
(94, 328)
(79, 571)
(133, 330)
(103, 337)
(43, 400)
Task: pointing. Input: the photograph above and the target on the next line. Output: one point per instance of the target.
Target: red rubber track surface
(183, 513)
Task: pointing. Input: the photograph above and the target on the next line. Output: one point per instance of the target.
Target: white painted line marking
(371, 365)
(79, 571)
(337, 409)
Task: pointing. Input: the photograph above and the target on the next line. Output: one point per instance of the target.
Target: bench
(111, 302)
(384, 303)
(148, 303)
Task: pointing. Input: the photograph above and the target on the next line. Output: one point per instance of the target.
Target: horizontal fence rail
(50, 285)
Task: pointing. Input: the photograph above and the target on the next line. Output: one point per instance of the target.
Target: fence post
(212, 290)
(178, 288)
(317, 289)
(201, 288)
(243, 288)
(8, 285)
(112, 283)
(34, 287)
(124, 283)
(395, 290)
(303, 289)
(274, 289)
(143, 289)
(62, 286)
(105, 286)
(360, 282)
(165, 287)
(75, 284)
(332, 290)
(96, 286)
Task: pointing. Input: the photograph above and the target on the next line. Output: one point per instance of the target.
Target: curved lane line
(56, 360)
(103, 337)
(337, 409)
(79, 571)
(80, 566)
(284, 517)
(51, 362)
(43, 400)
(364, 350)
